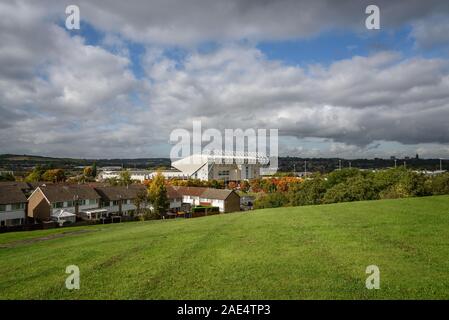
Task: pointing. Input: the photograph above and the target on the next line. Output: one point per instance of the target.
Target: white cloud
(60, 96)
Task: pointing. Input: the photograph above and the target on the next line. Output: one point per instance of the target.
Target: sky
(137, 70)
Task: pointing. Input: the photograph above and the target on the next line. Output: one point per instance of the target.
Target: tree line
(355, 185)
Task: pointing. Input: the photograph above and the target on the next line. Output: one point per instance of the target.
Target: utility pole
(339, 164)
(349, 164)
(305, 168)
(405, 164)
(395, 163)
(441, 164)
(294, 169)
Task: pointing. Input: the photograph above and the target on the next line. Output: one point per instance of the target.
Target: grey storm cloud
(187, 22)
(61, 96)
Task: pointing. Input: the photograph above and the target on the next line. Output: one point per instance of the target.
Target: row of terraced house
(22, 202)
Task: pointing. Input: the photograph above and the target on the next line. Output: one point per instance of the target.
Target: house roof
(190, 191)
(21, 184)
(219, 194)
(113, 193)
(62, 214)
(10, 194)
(208, 193)
(172, 193)
(59, 193)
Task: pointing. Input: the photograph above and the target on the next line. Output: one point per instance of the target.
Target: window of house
(82, 202)
(70, 204)
(223, 173)
(15, 222)
(93, 201)
(2, 207)
(18, 206)
(115, 203)
(56, 205)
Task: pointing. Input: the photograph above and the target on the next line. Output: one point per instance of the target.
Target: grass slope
(292, 253)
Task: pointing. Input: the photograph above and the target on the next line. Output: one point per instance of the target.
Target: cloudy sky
(138, 69)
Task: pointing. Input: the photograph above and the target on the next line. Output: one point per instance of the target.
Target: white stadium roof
(191, 164)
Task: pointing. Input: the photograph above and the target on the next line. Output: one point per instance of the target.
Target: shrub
(438, 184)
(307, 192)
(409, 184)
(340, 176)
(271, 200)
(357, 188)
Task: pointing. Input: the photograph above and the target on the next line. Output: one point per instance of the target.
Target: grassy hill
(292, 253)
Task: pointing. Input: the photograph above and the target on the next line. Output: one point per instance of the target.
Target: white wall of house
(196, 201)
(175, 203)
(70, 207)
(193, 200)
(214, 203)
(10, 216)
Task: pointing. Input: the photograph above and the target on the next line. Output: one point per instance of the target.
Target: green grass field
(314, 252)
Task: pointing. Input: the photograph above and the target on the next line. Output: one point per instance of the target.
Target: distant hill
(17, 162)
(22, 162)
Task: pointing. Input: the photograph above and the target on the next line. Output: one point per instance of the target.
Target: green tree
(94, 169)
(157, 194)
(112, 181)
(271, 200)
(35, 175)
(125, 178)
(409, 184)
(439, 184)
(356, 188)
(7, 177)
(54, 175)
(308, 192)
(141, 202)
(339, 176)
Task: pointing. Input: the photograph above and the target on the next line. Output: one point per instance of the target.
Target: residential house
(175, 199)
(48, 200)
(13, 204)
(225, 200)
(119, 199)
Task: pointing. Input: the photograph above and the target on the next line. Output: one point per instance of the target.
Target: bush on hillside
(307, 193)
(271, 200)
(357, 188)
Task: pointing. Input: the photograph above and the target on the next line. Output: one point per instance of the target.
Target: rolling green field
(313, 252)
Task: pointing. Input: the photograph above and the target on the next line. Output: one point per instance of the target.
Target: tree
(409, 184)
(54, 175)
(308, 192)
(35, 175)
(113, 181)
(87, 171)
(141, 201)
(271, 200)
(244, 186)
(356, 188)
(439, 184)
(157, 194)
(217, 184)
(94, 169)
(339, 176)
(125, 178)
(7, 177)
(232, 185)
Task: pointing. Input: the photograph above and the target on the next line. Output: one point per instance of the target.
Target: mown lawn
(314, 252)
